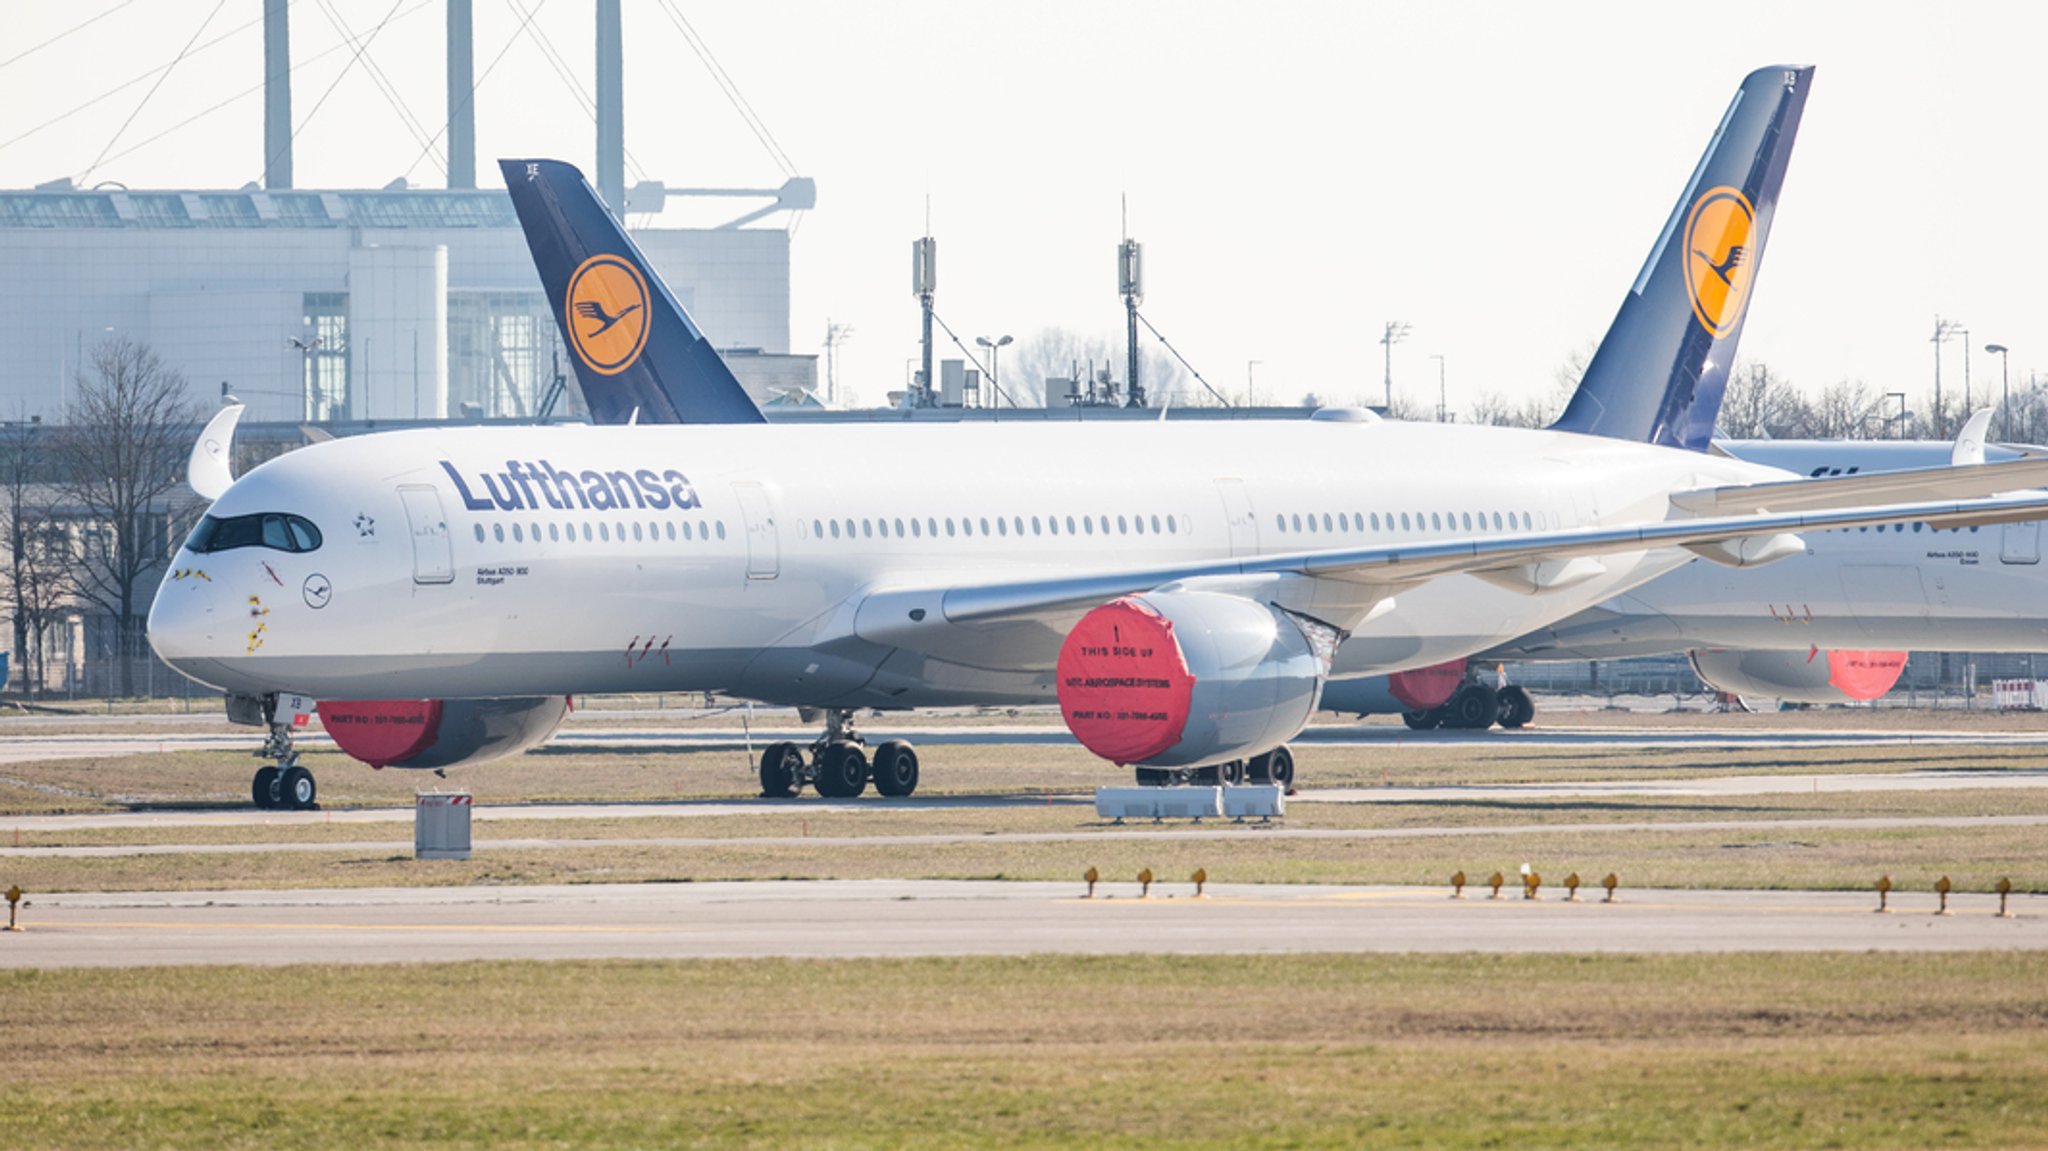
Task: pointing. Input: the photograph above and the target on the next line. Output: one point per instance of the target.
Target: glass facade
(324, 348)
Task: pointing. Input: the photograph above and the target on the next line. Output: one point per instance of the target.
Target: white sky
(1299, 173)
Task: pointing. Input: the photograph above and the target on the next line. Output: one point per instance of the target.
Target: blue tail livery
(638, 355)
(1659, 375)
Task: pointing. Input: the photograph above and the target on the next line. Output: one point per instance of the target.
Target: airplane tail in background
(637, 353)
(1659, 375)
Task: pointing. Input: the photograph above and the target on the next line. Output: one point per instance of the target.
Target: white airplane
(1181, 590)
(1831, 625)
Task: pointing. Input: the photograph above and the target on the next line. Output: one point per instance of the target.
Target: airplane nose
(184, 623)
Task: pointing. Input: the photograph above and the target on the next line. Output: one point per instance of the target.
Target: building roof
(256, 208)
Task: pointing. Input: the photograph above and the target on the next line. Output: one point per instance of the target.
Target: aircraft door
(1237, 513)
(2021, 544)
(433, 553)
(764, 552)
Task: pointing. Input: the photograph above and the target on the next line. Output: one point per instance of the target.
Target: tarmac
(869, 918)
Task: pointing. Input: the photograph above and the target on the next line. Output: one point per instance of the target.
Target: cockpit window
(273, 530)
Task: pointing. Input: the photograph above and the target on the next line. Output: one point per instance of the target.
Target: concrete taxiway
(849, 919)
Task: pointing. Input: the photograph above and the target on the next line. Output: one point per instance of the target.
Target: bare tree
(1759, 404)
(1061, 353)
(120, 462)
(1535, 412)
(1846, 410)
(39, 554)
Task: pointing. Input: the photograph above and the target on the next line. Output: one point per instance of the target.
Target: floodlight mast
(1944, 330)
(1396, 331)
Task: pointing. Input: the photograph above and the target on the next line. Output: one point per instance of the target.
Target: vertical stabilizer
(1659, 374)
(634, 347)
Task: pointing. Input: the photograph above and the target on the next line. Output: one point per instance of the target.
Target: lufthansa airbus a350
(1183, 590)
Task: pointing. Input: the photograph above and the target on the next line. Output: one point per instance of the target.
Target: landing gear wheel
(842, 771)
(1276, 767)
(264, 789)
(1475, 707)
(298, 790)
(1426, 719)
(1230, 774)
(895, 769)
(782, 766)
(1517, 708)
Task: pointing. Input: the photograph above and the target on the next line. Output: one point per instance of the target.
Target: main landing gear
(1276, 767)
(1476, 706)
(284, 786)
(838, 764)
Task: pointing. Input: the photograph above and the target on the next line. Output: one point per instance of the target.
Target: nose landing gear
(284, 786)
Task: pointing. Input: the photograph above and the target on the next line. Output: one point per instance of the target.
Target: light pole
(1965, 334)
(1900, 434)
(308, 348)
(1442, 408)
(993, 347)
(1251, 392)
(2004, 389)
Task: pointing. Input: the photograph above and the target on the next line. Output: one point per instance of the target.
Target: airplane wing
(1346, 587)
(1868, 487)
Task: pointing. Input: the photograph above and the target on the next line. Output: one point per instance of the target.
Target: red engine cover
(384, 731)
(1427, 687)
(1863, 675)
(1123, 683)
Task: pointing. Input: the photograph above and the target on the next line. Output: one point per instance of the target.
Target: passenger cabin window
(274, 530)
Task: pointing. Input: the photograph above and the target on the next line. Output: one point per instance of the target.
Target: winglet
(633, 345)
(210, 469)
(1659, 374)
(1969, 447)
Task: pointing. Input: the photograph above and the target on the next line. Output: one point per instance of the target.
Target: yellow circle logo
(607, 313)
(1719, 257)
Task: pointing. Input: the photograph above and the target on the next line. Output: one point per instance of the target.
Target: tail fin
(1659, 374)
(634, 347)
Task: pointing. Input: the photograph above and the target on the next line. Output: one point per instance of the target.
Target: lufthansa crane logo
(1720, 254)
(607, 313)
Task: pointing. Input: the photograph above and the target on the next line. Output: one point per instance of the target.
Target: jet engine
(1813, 676)
(440, 732)
(1184, 678)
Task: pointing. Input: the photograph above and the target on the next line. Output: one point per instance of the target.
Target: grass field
(1300, 1051)
(1475, 835)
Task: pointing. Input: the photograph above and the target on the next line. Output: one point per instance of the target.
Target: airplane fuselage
(480, 562)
